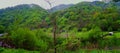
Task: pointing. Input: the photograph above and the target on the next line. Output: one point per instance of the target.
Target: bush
(71, 44)
(92, 37)
(95, 34)
(43, 35)
(24, 38)
(84, 29)
(2, 29)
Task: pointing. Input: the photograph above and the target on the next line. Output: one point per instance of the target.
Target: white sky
(42, 3)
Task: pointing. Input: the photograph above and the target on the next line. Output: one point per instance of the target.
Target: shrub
(44, 36)
(71, 44)
(24, 38)
(94, 35)
(110, 29)
(41, 34)
(2, 29)
(84, 29)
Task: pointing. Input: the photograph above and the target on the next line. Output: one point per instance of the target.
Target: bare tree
(48, 1)
(54, 26)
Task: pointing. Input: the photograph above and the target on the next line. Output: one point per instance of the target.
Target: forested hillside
(90, 14)
(26, 15)
(84, 27)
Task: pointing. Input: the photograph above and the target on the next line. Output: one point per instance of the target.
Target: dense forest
(75, 28)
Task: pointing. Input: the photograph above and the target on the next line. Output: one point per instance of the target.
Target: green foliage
(89, 14)
(42, 34)
(109, 43)
(45, 37)
(27, 15)
(24, 38)
(4, 50)
(30, 27)
(2, 29)
(70, 44)
(95, 32)
(84, 29)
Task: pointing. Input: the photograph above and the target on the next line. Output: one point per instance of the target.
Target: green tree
(2, 28)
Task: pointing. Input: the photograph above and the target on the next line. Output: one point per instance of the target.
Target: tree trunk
(54, 34)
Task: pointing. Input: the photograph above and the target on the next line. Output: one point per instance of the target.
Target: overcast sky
(42, 3)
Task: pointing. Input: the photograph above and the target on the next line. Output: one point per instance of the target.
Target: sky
(42, 3)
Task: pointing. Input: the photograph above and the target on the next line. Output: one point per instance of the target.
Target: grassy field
(94, 51)
(86, 35)
(3, 50)
(117, 34)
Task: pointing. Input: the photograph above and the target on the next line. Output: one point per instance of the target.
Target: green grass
(117, 34)
(83, 34)
(3, 50)
(92, 51)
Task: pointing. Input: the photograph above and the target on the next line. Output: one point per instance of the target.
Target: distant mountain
(60, 7)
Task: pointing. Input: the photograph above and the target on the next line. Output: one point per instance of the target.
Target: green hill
(90, 14)
(26, 15)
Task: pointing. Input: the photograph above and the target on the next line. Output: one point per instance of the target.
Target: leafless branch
(48, 1)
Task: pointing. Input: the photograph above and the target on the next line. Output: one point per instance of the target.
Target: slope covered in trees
(90, 14)
(26, 15)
